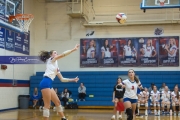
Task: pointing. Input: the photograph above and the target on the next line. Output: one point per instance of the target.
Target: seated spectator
(151, 88)
(82, 92)
(175, 100)
(155, 99)
(162, 87)
(65, 96)
(165, 100)
(35, 97)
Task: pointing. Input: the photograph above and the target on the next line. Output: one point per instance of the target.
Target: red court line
(10, 85)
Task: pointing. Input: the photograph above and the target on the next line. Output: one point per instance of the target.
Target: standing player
(130, 96)
(148, 49)
(52, 70)
(165, 99)
(105, 49)
(143, 99)
(129, 50)
(118, 96)
(155, 99)
(175, 100)
(171, 48)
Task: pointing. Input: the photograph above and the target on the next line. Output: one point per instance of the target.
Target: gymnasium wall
(55, 30)
(21, 73)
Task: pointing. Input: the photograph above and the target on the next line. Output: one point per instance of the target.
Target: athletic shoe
(113, 117)
(120, 117)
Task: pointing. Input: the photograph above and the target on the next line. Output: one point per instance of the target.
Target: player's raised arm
(65, 53)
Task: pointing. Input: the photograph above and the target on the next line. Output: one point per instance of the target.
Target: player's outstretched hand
(76, 47)
(76, 79)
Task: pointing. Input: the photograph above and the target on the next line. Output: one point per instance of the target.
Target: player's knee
(154, 104)
(158, 104)
(162, 104)
(138, 104)
(59, 108)
(173, 104)
(46, 112)
(129, 113)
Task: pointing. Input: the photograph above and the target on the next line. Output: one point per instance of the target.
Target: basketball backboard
(10, 7)
(159, 4)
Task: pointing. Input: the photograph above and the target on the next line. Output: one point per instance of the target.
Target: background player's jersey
(90, 51)
(173, 48)
(173, 95)
(119, 91)
(165, 96)
(131, 89)
(144, 96)
(155, 95)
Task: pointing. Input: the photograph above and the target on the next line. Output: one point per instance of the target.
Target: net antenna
(24, 20)
(162, 2)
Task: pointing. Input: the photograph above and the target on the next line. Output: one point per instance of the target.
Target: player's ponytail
(136, 79)
(44, 55)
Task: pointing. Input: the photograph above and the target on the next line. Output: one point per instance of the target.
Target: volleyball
(121, 18)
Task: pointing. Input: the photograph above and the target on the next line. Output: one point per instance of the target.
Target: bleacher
(100, 84)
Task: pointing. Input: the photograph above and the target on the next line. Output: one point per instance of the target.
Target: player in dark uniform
(118, 94)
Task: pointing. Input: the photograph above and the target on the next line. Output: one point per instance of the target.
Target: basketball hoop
(161, 2)
(24, 20)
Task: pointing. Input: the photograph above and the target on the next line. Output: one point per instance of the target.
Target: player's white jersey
(90, 51)
(107, 52)
(166, 96)
(173, 48)
(131, 89)
(128, 51)
(148, 50)
(51, 68)
(155, 95)
(144, 95)
(173, 95)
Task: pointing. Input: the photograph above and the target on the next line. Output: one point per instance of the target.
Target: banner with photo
(108, 52)
(148, 50)
(169, 51)
(129, 52)
(2, 37)
(89, 53)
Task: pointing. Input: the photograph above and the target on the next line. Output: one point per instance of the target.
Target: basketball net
(24, 20)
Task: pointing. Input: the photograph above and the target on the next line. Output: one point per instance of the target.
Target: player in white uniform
(129, 50)
(175, 100)
(130, 96)
(45, 85)
(171, 48)
(155, 99)
(148, 49)
(166, 95)
(106, 49)
(143, 99)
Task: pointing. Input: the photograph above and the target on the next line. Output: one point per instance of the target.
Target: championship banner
(108, 52)
(148, 52)
(18, 42)
(128, 52)
(20, 60)
(89, 53)
(9, 40)
(2, 37)
(169, 51)
(26, 43)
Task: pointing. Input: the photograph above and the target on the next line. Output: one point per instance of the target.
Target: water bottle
(170, 112)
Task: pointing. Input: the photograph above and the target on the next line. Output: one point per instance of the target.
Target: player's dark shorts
(119, 97)
(45, 83)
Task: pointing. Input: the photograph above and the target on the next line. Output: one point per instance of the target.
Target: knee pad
(46, 112)
(138, 105)
(158, 104)
(59, 108)
(173, 104)
(146, 104)
(154, 104)
(129, 113)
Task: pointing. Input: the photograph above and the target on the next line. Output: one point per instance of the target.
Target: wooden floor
(79, 114)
